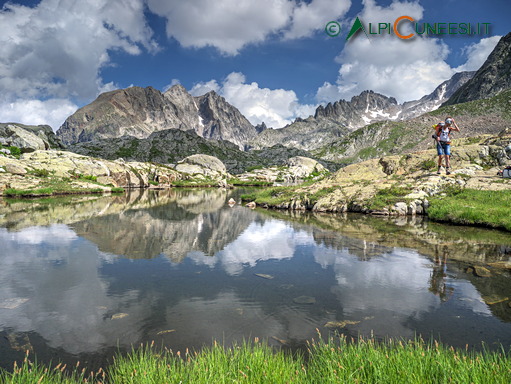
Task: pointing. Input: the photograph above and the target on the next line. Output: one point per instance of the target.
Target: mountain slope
(488, 116)
(338, 119)
(435, 99)
(172, 145)
(491, 79)
(138, 112)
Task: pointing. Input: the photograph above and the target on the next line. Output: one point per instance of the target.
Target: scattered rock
(301, 167)
(119, 316)
(304, 300)
(19, 342)
(13, 303)
(222, 183)
(340, 324)
(231, 201)
(205, 165)
(166, 331)
(251, 205)
(264, 276)
(15, 169)
(481, 271)
(400, 208)
(21, 138)
(494, 299)
(501, 264)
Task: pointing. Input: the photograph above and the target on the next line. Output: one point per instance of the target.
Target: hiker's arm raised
(455, 126)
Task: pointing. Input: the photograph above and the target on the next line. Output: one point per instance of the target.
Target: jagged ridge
(138, 112)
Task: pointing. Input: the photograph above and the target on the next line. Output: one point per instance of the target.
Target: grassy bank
(473, 207)
(44, 192)
(457, 206)
(335, 361)
(275, 196)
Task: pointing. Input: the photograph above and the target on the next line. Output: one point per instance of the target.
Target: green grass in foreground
(335, 361)
(473, 207)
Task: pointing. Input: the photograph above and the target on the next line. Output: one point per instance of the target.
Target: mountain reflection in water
(83, 276)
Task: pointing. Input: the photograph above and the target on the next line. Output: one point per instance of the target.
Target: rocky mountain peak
(372, 101)
(176, 90)
(222, 121)
(492, 78)
(138, 112)
(260, 127)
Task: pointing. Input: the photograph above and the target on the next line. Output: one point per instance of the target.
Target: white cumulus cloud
(313, 16)
(225, 24)
(56, 49)
(274, 107)
(50, 112)
(230, 25)
(477, 53)
(404, 69)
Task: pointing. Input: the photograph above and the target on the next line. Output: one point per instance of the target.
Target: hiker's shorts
(443, 148)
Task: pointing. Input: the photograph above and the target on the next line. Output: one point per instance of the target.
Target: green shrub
(15, 151)
(89, 177)
(428, 165)
(40, 172)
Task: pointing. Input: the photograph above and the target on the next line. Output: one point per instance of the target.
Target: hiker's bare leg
(447, 161)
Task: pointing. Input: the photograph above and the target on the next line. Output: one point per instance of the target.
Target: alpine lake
(85, 277)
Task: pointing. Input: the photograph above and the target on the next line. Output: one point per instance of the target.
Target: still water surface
(84, 277)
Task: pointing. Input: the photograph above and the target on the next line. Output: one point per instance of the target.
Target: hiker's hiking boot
(438, 172)
(447, 171)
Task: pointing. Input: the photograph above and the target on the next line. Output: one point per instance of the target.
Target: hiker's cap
(448, 120)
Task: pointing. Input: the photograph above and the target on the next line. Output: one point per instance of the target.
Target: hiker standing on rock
(443, 145)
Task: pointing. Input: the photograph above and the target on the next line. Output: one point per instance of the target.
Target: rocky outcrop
(35, 169)
(491, 79)
(302, 167)
(202, 166)
(297, 169)
(407, 181)
(138, 112)
(28, 138)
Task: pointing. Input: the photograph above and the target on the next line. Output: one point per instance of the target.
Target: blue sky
(270, 58)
